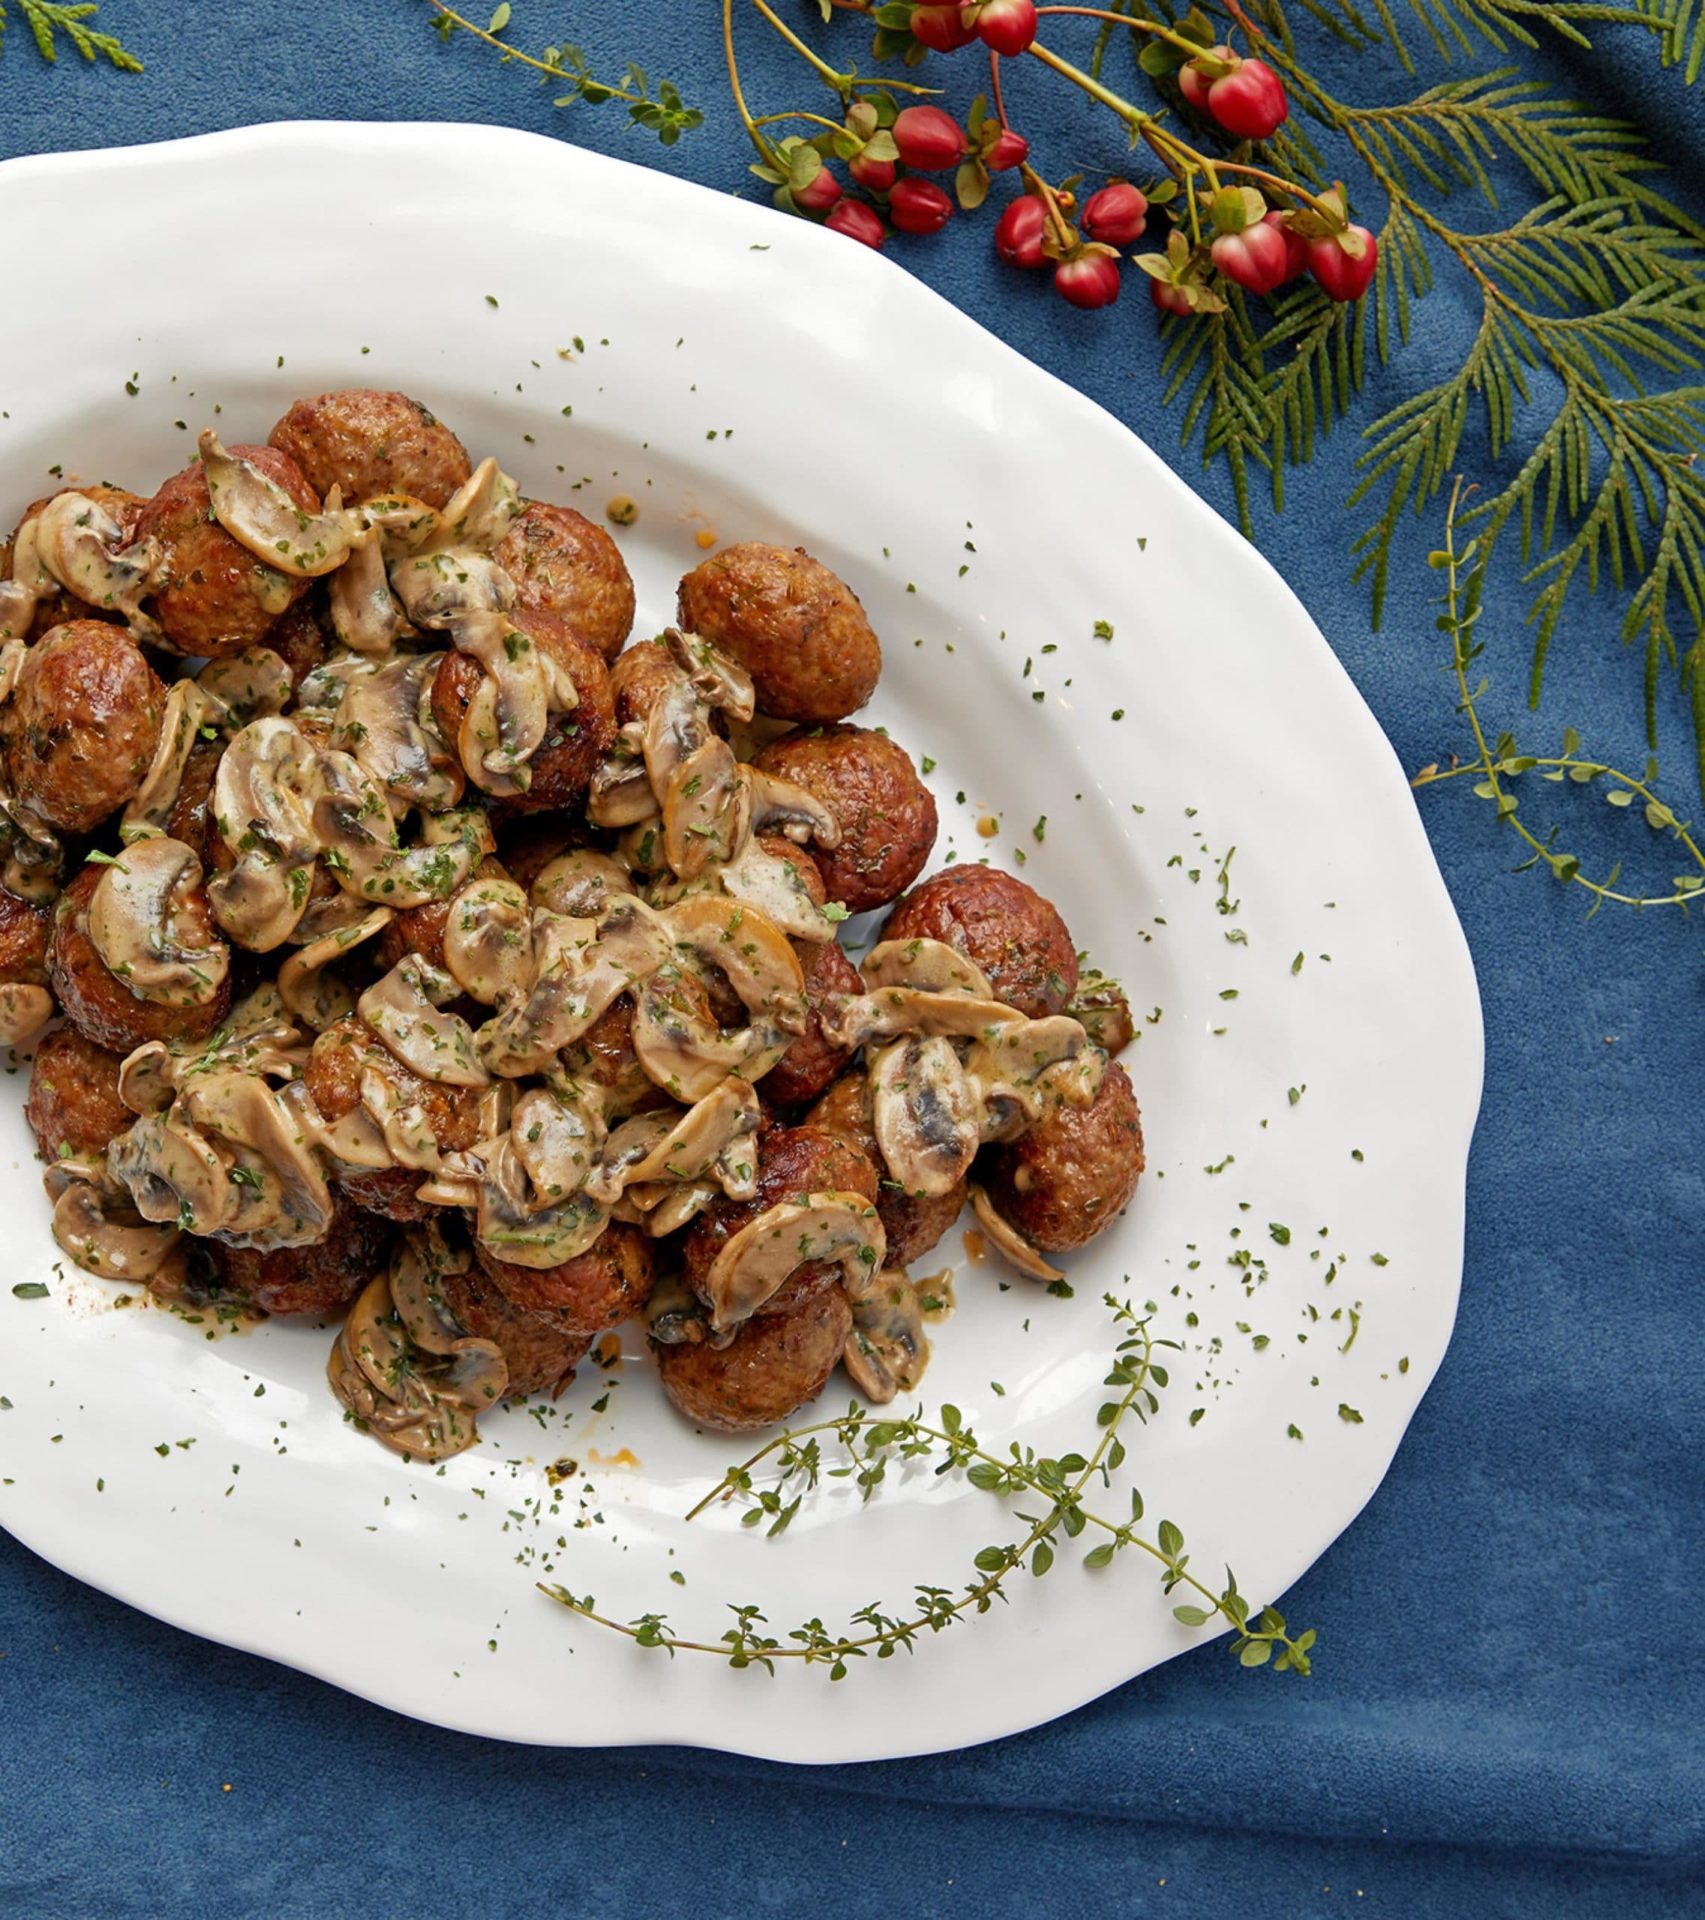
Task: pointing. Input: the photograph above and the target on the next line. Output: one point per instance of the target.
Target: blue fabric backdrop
(1504, 1716)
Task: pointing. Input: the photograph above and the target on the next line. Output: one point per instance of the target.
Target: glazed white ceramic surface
(756, 377)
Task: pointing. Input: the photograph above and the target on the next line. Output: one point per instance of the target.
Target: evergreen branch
(47, 19)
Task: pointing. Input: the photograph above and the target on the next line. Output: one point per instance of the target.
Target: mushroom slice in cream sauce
(135, 920)
(754, 1263)
(405, 1009)
(1008, 1241)
(260, 515)
(306, 984)
(887, 1351)
(82, 546)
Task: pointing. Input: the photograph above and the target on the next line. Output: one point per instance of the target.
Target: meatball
(813, 1060)
(885, 812)
(792, 1162)
(215, 597)
(773, 1365)
(1065, 1180)
(73, 1107)
(372, 443)
(24, 929)
(333, 1077)
(189, 817)
(1002, 925)
(321, 1279)
(913, 1222)
(638, 674)
(604, 1286)
(83, 723)
(562, 564)
(97, 1003)
(300, 636)
(542, 1356)
(54, 609)
(574, 743)
(795, 627)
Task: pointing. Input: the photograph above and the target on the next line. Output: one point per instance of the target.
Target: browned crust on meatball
(73, 1105)
(813, 1060)
(792, 1162)
(54, 609)
(773, 1365)
(321, 1279)
(189, 816)
(913, 1222)
(885, 812)
(370, 442)
(638, 674)
(83, 723)
(98, 1004)
(210, 600)
(1007, 928)
(542, 1356)
(607, 1284)
(1065, 1181)
(301, 635)
(333, 1077)
(561, 563)
(797, 628)
(574, 742)
(25, 926)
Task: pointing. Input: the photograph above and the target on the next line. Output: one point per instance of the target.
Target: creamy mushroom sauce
(314, 788)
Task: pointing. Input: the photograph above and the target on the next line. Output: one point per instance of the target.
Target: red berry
(857, 221)
(1088, 280)
(820, 195)
(1256, 258)
(1296, 248)
(928, 139)
(1115, 215)
(1009, 150)
(919, 206)
(1247, 101)
(1343, 276)
(876, 175)
(1007, 26)
(1168, 298)
(941, 29)
(1019, 231)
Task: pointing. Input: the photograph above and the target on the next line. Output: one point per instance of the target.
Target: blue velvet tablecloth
(1504, 1717)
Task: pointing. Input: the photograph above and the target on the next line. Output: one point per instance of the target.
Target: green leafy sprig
(48, 19)
(861, 1447)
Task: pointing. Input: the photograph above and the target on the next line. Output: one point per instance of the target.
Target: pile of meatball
(82, 726)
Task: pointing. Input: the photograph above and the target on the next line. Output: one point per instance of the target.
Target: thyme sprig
(48, 19)
(861, 1447)
(1493, 767)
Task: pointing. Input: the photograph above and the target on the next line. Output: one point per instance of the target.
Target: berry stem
(816, 120)
(1063, 231)
(1132, 116)
(1191, 47)
(841, 82)
(995, 90)
(754, 133)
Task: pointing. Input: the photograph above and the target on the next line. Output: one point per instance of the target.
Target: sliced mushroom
(1100, 1007)
(480, 511)
(418, 1266)
(358, 839)
(403, 1123)
(405, 1010)
(666, 1209)
(260, 515)
(706, 809)
(754, 1262)
(318, 997)
(172, 1174)
(135, 919)
(97, 1226)
(245, 686)
(356, 1140)
(281, 1195)
(926, 1113)
(777, 888)
(620, 794)
(505, 721)
(13, 654)
(1008, 1241)
(557, 1141)
(717, 679)
(516, 1228)
(384, 720)
(866, 1017)
(579, 884)
(365, 614)
(1020, 1067)
(82, 546)
(717, 1136)
(263, 807)
(931, 965)
(674, 1314)
(488, 940)
(887, 1351)
(24, 1011)
(258, 1037)
(778, 806)
(188, 710)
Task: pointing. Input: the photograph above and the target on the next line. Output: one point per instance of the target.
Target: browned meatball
(795, 627)
(215, 597)
(813, 1060)
(1065, 1180)
(638, 674)
(574, 742)
(301, 637)
(54, 609)
(333, 1077)
(421, 929)
(189, 816)
(792, 1162)
(83, 723)
(74, 1105)
(371, 443)
(321, 1279)
(97, 1003)
(25, 926)
(913, 1222)
(542, 1356)
(561, 563)
(773, 1365)
(1002, 925)
(885, 812)
(606, 1285)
